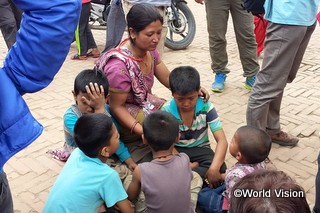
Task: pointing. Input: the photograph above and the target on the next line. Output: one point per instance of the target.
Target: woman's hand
(204, 93)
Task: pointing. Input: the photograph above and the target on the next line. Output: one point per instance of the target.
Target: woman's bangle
(133, 126)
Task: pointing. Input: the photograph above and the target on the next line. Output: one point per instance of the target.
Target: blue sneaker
(250, 82)
(218, 84)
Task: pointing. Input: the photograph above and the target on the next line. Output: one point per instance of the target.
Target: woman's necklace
(163, 156)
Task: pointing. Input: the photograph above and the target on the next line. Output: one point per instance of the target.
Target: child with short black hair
(250, 146)
(86, 181)
(166, 180)
(90, 93)
(195, 118)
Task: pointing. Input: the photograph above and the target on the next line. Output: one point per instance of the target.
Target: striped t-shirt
(205, 116)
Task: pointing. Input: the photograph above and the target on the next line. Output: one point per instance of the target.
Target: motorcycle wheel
(181, 32)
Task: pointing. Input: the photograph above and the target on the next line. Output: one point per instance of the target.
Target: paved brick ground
(32, 172)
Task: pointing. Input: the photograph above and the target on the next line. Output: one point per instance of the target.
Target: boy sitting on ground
(91, 95)
(166, 180)
(195, 117)
(86, 182)
(250, 146)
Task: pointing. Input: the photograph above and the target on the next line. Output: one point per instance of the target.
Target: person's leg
(316, 208)
(6, 204)
(280, 52)
(196, 186)
(81, 33)
(164, 31)
(217, 14)
(7, 23)
(116, 24)
(91, 44)
(202, 155)
(273, 120)
(243, 27)
(9, 32)
(17, 14)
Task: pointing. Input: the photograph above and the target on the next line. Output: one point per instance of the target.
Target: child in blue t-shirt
(196, 117)
(86, 182)
(91, 95)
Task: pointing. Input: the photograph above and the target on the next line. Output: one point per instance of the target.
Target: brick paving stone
(32, 172)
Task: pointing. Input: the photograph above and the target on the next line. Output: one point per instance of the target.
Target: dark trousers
(316, 208)
(10, 17)
(202, 155)
(6, 204)
(116, 25)
(84, 37)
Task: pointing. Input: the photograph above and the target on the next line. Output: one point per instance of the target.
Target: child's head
(250, 145)
(96, 135)
(276, 186)
(82, 80)
(160, 130)
(185, 85)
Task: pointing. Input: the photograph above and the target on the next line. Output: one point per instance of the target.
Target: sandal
(93, 54)
(79, 57)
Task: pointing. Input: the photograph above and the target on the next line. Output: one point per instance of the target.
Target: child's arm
(223, 176)
(135, 185)
(124, 156)
(213, 174)
(125, 206)
(131, 164)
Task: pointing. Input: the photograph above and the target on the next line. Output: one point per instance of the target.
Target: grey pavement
(32, 172)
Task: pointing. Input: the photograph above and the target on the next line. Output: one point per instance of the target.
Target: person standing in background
(10, 18)
(83, 35)
(217, 21)
(290, 26)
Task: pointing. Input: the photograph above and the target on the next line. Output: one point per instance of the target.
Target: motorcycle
(181, 22)
(99, 13)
